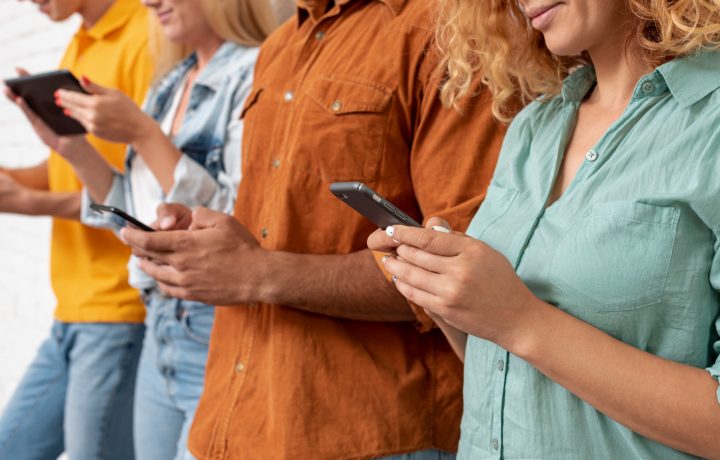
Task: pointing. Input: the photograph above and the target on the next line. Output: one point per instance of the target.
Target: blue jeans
(422, 455)
(76, 396)
(171, 375)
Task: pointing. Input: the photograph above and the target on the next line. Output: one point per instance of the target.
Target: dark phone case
(121, 214)
(371, 205)
(39, 93)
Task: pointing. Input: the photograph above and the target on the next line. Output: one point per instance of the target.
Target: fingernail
(390, 230)
(394, 279)
(440, 228)
(85, 80)
(384, 258)
(56, 93)
(66, 111)
(167, 222)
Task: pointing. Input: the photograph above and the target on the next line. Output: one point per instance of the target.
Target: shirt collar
(316, 9)
(691, 78)
(114, 18)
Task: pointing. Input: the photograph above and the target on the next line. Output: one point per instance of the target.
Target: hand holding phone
(374, 207)
(38, 92)
(101, 208)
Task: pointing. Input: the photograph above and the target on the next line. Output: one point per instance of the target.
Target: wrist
(529, 329)
(270, 275)
(145, 131)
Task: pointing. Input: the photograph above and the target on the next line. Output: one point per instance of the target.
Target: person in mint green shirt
(584, 299)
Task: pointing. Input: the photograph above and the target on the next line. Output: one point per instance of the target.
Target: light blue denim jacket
(210, 139)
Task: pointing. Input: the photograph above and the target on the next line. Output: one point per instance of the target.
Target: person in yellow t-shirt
(77, 395)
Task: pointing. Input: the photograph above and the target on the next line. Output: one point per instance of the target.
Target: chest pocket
(343, 128)
(249, 115)
(616, 257)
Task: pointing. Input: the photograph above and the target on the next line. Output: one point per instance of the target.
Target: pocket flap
(342, 96)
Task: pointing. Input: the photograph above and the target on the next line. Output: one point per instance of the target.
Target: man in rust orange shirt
(319, 357)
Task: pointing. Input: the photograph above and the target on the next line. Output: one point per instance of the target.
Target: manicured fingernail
(66, 111)
(390, 231)
(56, 93)
(384, 259)
(85, 80)
(394, 279)
(440, 228)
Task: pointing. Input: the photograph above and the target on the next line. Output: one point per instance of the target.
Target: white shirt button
(239, 367)
(289, 95)
(320, 35)
(591, 155)
(276, 164)
(647, 87)
(495, 444)
(264, 232)
(501, 365)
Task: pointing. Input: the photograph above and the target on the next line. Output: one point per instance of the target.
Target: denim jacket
(208, 172)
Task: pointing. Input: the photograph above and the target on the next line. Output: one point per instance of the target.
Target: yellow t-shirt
(88, 267)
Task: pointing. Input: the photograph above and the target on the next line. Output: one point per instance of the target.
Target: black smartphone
(39, 93)
(367, 202)
(101, 208)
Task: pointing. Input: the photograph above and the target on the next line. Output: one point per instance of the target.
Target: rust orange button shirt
(343, 92)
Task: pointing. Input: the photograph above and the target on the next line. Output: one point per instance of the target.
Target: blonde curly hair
(492, 40)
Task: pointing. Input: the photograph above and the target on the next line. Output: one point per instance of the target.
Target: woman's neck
(206, 49)
(618, 66)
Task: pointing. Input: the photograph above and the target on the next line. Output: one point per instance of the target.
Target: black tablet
(39, 93)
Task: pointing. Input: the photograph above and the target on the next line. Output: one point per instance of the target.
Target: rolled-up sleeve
(714, 370)
(115, 197)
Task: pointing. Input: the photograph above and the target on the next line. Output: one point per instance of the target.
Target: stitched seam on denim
(112, 400)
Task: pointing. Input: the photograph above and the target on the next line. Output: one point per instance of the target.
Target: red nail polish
(66, 111)
(85, 80)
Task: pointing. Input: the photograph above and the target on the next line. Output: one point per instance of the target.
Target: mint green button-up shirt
(631, 247)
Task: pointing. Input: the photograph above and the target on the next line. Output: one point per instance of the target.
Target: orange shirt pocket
(358, 110)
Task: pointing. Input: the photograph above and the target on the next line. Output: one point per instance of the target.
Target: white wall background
(30, 40)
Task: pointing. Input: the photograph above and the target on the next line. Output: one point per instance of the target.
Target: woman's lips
(541, 16)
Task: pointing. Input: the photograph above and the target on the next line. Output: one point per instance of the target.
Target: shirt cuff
(715, 373)
(115, 197)
(193, 186)
(423, 322)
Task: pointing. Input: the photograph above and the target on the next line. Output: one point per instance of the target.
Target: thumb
(90, 87)
(438, 224)
(205, 218)
(21, 71)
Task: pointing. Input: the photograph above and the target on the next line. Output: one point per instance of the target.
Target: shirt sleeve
(453, 154)
(115, 197)
(714, 369)
(195, 186)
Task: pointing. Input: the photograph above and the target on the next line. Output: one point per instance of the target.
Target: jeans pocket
(197, 321)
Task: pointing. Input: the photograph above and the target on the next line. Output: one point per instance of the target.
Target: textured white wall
(30, 40)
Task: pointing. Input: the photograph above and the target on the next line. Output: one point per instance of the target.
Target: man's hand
(173, 216)
(216, 261)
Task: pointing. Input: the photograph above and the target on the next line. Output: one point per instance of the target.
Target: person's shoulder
(420, 15)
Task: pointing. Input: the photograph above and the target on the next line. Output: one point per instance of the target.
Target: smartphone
(101, 208)
(39, 93)
(371, 205)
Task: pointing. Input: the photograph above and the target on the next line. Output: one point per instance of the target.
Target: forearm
(455, 337)
(35, 177)
(159, 153)
(65, 205)
(347, 286)
(92, 170)
(672, 403)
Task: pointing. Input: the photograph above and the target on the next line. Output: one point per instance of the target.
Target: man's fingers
(162, 273)
(155, 245)
(173, 216)
(431, 241)
(206, 218)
